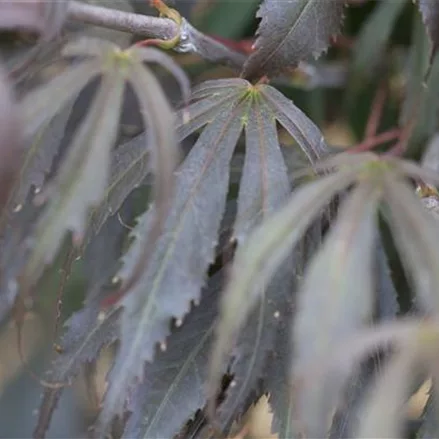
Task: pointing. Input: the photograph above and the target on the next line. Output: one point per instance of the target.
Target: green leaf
(298, 125)
(291, 32)
(416, 69)
(430, 15)
(40, 105)
(416, 233)
(373, 37)
(81, 181)
(337, 292)
(177, 374)
(177, 267)
(259, 257)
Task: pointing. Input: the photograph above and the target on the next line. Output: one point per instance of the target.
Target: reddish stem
(376, 112)
(377, 140)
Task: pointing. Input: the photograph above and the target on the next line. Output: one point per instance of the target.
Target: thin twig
(377, 140)
(377, 110)
(137, 24)
(191, 40)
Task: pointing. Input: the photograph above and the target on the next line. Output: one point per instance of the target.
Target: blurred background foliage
(380, 39)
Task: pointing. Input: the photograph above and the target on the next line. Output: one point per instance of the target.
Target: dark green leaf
(291, 32)
(338, 293)
(416, 69)
(373, 37)
(177, 268)
(430, 15)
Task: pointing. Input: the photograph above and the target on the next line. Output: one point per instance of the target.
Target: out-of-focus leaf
(291, 32)
(383, 412)
(338, 293)
(416, 69)
(430, 420)
(300, 127)
(264, 188)
(430, 158)
(11, 150)
(373, 37)
(42, 104)
(42, 17)
(81, 181)
(177, 268)
(416, 232)
(259, 257)
(40, 154)
(173, 386)
(386, 308)
(87, 332)
(427, 120)
(430, 15)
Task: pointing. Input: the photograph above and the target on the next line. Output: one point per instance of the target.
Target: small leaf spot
(18, 207)
(163, 346)
(276, 314)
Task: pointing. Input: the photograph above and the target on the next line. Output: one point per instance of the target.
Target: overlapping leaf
(263, 189)
(430, 15)
(40, 154)
(177, 268)
(382, 415)
(373, 37)
(81, 180)
(290, 32)
(260, 256)
(173, 386)
(87, 332)
(416, 232)
(11, 150)
(338, 293)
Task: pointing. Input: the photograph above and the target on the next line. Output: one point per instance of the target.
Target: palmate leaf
(39, 106)
(290, 32)
(430, 15)
(81, 180)
(415, 232)
(338, 293)
(188, 242)
(11, 150)
(40, 154)
(259, 257)
(264, 187)
(386, 308)
(277, 369)
(382, 414)
(416, 68)
(88, 331)
(173, 386)
(373, 37)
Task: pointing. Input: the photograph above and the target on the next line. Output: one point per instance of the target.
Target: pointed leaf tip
(291, 31)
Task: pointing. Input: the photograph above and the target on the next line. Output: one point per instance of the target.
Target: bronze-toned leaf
(291, 31)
